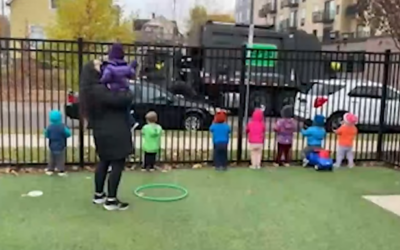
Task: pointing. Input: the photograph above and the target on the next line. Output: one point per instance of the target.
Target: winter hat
(319, 120)
(55, 116)
(220, 117)
(350, 118)
(287, 111)
(116, 52)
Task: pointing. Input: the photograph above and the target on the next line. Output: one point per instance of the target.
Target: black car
(174, 111)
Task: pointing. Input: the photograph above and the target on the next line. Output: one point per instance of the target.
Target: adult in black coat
(106, 114)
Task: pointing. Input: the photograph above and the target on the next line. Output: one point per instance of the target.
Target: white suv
(362, 98)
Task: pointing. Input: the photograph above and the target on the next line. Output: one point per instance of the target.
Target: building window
(36, 32)
(315, 32)
(53, 4)
(293, 19)
(302, 17)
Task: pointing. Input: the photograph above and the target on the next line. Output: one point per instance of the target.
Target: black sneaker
(99, 199)
(113, 205)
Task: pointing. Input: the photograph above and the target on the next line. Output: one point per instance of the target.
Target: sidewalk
(172, 142)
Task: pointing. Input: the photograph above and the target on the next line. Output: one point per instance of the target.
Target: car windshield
(325, 89)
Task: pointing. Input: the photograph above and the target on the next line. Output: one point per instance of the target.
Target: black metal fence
(186, 85)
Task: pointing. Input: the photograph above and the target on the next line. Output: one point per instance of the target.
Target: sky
(144, 8)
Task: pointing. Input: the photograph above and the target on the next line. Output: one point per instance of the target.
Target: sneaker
(62, 174)
(258, 167)
(49, 172)
(115, 204)
(275, 164)
(152, 170)
(305, 162)
(99, 199)
(286, 165)
(351, 166)
(143, 170)
(253, 167)
(109, 169)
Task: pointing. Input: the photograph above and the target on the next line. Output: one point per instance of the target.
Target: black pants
(114, 178)
(149, 160)
(221, 155)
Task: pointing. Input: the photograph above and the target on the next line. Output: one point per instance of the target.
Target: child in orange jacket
(346, 135)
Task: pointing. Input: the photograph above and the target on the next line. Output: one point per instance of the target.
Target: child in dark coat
(57, 134)
(220, 131)
(116, 74)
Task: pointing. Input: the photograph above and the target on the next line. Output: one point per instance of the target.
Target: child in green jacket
(151, 141)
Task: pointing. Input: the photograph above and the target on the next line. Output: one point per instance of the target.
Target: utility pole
(248, 71)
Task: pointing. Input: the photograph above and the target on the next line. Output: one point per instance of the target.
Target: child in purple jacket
(116, 74)
(285, 128)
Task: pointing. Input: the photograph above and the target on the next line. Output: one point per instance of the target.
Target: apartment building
(327, 19)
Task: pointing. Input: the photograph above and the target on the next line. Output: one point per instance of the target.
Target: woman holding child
(106, 112)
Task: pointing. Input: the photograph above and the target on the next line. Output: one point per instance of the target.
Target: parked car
(174, 112)
(338, 96)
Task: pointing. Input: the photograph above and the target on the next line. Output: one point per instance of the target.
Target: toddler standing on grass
(347, 132)
(57, 134)
(151, 141)
(284, 128)
(315, 135)
(220, 131)
(256, 133)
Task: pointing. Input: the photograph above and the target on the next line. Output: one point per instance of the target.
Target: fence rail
(185, 85)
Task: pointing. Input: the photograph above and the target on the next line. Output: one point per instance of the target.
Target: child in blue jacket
(57, 134)
(315, 135)
(220, 131)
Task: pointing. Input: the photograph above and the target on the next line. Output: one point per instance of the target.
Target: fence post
(242, 103)
(81, 119)
(386, 72)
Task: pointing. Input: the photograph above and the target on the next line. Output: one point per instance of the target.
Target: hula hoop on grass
(184, 191)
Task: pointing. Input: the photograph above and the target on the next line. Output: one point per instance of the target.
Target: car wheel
(193, 122)
(334, 122)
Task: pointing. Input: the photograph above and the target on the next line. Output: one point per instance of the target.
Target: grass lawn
(288, 209)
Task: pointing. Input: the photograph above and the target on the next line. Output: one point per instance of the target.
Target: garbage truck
(275, 67)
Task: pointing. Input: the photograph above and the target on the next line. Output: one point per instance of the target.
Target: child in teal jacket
(315, 136)
(151, 141)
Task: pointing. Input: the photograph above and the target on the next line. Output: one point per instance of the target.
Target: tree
(92, 20)
(381, 15)
(199, 16)
(226, 18)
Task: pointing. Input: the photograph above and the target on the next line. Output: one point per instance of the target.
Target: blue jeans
(221, 155)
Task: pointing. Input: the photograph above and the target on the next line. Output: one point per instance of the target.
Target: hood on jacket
(287, 111)
(319, 120)
(55, 117)
(258, 115)
(116, 52)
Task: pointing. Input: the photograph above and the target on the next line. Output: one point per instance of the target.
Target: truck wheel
(260, 99)
(334, 121)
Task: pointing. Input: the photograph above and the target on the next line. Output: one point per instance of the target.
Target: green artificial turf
(242, 209)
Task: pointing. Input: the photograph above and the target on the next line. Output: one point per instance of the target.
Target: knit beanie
(350, 118)
(287, 111)
(220, 117)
